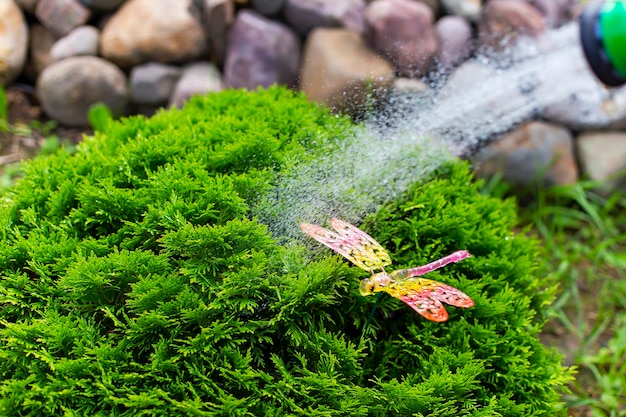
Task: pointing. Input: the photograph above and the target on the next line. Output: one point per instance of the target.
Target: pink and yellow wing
(427, 297)
(351, 242)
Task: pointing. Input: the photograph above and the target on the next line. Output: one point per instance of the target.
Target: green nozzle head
(603, 35)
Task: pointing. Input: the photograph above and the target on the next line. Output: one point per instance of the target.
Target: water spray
(603, 36)
(411, 136)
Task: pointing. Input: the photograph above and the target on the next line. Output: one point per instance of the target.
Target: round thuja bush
(135, 281)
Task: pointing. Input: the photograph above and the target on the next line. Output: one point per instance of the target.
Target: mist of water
(415, 133)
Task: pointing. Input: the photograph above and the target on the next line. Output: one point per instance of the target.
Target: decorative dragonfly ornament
(423, 295)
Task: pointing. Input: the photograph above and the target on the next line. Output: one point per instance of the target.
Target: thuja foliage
(135, 282)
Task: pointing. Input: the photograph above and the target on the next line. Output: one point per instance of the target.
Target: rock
(589, 105)
(61, 16)
(617, 104)
(261, 52)
(69, 87)
(434, 5)
(170, 32)
(341, 71)
(41, 41)
(535, 151)
(152, 84)
(469, 9)
(469, 112)
(586, 109)
(13, 41)
(407, 97)
(465, 78)
(410, 86)
(403, 30)
(573, 9)
(305, 15)
(198, 78)
(555, 12)
(268, 7)
(102, 5)
(503, 21)
(603, 156)
(27, 5)
(81, 41)
(455, 41)
(218, 18)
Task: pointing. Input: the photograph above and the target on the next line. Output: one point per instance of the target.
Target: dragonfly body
(423, 295)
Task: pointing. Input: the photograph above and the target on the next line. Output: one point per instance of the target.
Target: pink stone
(403, 30)
(61, 16)
(261, 52)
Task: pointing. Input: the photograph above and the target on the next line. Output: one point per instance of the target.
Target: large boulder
(341, 71)
(68, 88)
(404, 32)
(261, 52)
(13, 41)
(153, 30)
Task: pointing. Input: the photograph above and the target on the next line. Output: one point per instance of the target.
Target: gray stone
(27, 5)
(218, 17)
(61, 16)
(573, 8)
(13, 41)
(403, 30)
(434, 5)
(588, 106)
(268, 7)
(555, 12)
(81, 41)
(340, 71)
(197, 78)
(469, 9)
(407, 96)
(261, 52)
(40, 44)
(152, 84)
(466, 76)
(305, 15)
(68, 88)
(455, 41)
(102, 5)
(153, 31)
(616, 103)
(603, 156)
(475, 103)
(534, 152)
(410, 86)
(502, 22)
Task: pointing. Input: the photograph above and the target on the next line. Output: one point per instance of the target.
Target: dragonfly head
(375, 283)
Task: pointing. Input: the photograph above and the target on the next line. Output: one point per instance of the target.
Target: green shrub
(134, 282)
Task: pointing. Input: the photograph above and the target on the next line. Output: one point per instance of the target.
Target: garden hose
(603, 36)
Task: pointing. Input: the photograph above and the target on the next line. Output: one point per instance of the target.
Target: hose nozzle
(603, 36)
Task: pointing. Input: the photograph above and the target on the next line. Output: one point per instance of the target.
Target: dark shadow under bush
(135, 283)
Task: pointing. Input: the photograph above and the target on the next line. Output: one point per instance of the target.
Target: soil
(29, 127)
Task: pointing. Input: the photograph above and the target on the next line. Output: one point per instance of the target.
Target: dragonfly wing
(425, 305)
(349, 241)
(454, 297)
(370, 249)
(427, 297)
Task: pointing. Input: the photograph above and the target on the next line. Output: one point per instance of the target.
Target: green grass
(584, 238)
